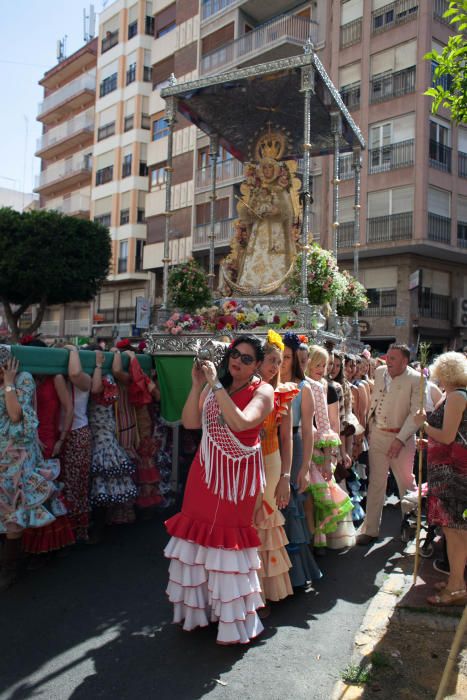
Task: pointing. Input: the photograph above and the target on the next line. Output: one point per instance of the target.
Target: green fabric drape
(174, 376)
(55, 360)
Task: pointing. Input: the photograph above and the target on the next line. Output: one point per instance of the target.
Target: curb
(383, 610)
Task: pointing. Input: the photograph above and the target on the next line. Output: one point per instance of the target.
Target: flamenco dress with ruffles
(304, 568)
(111, 469)
(147, 475)
(58, 533)
(26, 479)
(269, 521)
(213, 573)
(447, 474)
(331, 504)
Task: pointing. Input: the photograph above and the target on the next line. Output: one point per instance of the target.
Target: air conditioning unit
(460, 313)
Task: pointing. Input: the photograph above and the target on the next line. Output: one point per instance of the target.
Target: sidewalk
(403, 643)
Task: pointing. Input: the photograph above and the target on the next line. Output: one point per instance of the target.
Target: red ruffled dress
(214, 546)
(59, 532)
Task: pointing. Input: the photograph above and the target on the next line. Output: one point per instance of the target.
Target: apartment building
(65, 149)
(413, 218)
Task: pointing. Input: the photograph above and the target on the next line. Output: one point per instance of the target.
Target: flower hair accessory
(291, 340)
(275, 339)
(26, 339)
(303, 339)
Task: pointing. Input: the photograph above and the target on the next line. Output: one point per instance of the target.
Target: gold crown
(272, 144)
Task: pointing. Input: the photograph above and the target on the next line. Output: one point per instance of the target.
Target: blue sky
(30, 30)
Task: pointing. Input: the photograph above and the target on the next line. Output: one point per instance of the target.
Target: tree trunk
(12, 321)
(13, 318)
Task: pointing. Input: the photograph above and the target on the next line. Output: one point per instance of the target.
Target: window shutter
(130, 107)
(162, 71)
(350, 74)
(125, 200)
(105, 160)
(103, 206)
(346, 210)
(351, 10)
(382, 62)
(405, 55)
(380, 278)
(378, 203)
(439, 202)
(404, 128)
(112, 24)
(402, 200)
(108, 70)
(462, 208)
(133, 13)
(107, 116)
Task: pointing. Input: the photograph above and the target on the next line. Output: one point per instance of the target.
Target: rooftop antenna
(89, 24)
(61, 49)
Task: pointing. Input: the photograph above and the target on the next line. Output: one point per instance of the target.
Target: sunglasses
(244, 357)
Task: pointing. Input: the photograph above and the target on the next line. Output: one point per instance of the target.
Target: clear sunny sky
(30, 30)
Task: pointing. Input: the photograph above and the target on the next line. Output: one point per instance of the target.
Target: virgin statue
(263, 250)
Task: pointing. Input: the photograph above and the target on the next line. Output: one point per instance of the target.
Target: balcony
(126, 314)
(383, 302)
(351, 33)
(440, 156)
(64, 174)
(75, 132)
(346, 234)
(79, 93)
(50, 328)
(226, 170)
(392, 156)
(393, 14)
(439, 228)
(223, 232)
(78, 326)
(76, 205)
(435, 306)
(351, 95)
(392, 227)
(439, 8)
(462, 234)
(386, 86)
(279, 37)
(462, 164)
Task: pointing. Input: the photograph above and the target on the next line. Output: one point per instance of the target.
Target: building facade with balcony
(65, 149)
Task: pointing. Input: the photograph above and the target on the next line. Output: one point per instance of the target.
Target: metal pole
(171, 106)
(213, 155)
(357, 166)
(336, 130)
(308, 89)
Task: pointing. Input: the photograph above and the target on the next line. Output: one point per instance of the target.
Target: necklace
(220, 417)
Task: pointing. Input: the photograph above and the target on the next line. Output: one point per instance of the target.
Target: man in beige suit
(395, 400)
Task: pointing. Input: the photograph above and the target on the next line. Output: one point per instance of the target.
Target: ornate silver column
(213, 155)
(336, 129)
(357, 166)
(307, 88)
(170, 112)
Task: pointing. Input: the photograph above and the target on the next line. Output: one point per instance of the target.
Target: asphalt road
(96, 624)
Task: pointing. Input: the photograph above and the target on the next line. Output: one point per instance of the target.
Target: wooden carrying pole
(453, 652)
(420, 474)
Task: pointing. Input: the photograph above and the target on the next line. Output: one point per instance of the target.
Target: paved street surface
(97, 625)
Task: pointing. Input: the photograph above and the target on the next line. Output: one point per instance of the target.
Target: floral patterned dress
(111, 470)
(25, 477)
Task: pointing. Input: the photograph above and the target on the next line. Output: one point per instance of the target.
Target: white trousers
(380, 463)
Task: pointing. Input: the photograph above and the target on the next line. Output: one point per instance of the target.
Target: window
(104, 175)
(440, 152)
(103, 219)
(149, 26)
(133, 29)
(128, 123)
(126, 165)
(157, 176)
(380, 139)
(161, 72)
(131, 74)
(105, 131)
(110, 40)
(123, 257)
(124, 217)
(147, 74)
(108, 85)
(139, 255)
(143, 168)
(140, 217)
(160, 128)
(165, 21)
(145, 121)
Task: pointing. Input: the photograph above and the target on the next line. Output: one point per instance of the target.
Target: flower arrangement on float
(323, 283)
(188, 286)
(230, 315)
(352, 296)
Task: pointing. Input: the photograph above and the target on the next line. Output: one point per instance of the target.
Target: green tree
(452, 92)
(48, 258)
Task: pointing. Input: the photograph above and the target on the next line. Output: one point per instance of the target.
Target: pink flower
(169, 323)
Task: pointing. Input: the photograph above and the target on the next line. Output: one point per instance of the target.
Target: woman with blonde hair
(446, 429)
(269, 521)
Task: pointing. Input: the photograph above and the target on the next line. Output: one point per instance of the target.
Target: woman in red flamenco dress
(214, 546)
